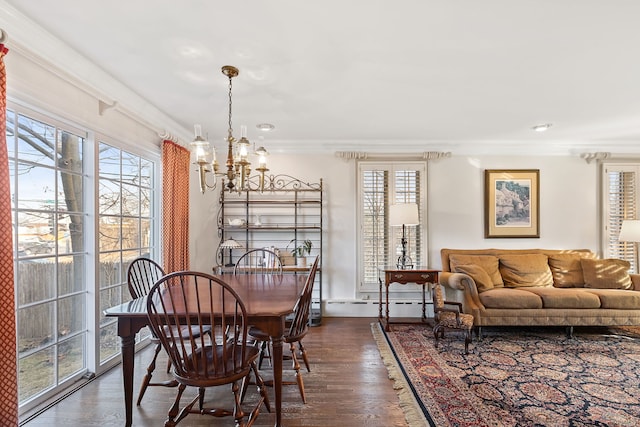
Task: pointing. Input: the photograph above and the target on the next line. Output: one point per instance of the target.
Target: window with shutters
(620, 201)
(380, 185)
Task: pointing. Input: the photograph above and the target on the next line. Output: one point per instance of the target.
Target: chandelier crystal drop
(238, 168)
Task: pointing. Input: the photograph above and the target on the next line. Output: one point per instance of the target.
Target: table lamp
(630, 232)
(231, 245)
(404, 214)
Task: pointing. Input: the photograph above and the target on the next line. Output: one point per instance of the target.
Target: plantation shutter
(621, 202)
(383, 184)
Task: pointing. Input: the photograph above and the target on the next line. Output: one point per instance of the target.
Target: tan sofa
(533, 287)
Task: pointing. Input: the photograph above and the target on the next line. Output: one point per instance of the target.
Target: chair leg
(467, 340)
(238, 413)
(147, 378)
(303, 352)
(436, 333)
(296, 367)
(264, 349)
(262, 388)
(173, 416)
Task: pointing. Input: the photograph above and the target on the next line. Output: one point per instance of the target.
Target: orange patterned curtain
(9, 378)
(175, 206)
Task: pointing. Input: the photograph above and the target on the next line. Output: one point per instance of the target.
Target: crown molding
(27, 38)
(361, 155)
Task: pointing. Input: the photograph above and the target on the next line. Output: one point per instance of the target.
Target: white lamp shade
(630, 231)
(230, 244)
(403, 214)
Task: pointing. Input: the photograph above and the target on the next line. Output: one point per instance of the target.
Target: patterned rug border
(538, 397)
(414, 412)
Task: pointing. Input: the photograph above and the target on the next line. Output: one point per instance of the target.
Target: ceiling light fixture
(541, 128)
(266, 127)
(238, 165)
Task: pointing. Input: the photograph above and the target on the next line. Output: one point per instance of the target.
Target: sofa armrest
(635, 282)
(463, 282)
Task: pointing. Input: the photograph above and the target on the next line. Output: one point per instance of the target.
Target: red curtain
(9, 377)
(175, 206)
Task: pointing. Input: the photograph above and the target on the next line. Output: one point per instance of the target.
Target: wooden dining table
(268, 300)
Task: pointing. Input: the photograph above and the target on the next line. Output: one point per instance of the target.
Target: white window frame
(611, 218)
(90, 187)
(369, 288)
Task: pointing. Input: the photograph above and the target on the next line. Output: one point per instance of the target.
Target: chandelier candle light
(404, 214)
(238, 167)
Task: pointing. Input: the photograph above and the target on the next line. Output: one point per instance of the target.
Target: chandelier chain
(230, 136)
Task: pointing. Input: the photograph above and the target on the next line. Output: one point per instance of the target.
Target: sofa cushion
(606, 273)
(510, 298)
(566, 270)
(617, 298)
(566, 298)
(525, 270)
(478, 274)
(488, 263)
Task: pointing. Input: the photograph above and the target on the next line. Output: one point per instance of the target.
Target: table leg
(386, 291)
(128, 361)
(380, 300)
(424, 303)
(276, 342)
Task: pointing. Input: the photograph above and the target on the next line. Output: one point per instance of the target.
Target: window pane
(109, 197)
(70, 315)
(36, 187)
(36, 142)
(36, 327)
(109, 162)
(131, 200)
(71, 355)
(35, 281)
(37, 373)
(109, 342)
(110, 271)
(70, 274)
(70, 152)
(146, 170)
(130, 233)
(130, 168)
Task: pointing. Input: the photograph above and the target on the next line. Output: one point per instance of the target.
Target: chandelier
(238, 168)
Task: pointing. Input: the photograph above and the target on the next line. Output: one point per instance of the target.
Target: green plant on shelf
(303, 249)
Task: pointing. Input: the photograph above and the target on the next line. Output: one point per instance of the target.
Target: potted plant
(302, 251)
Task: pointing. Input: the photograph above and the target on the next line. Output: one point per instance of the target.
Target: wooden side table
(419, 275)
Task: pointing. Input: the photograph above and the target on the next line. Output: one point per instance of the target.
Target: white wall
(568, 209)
(568, 199)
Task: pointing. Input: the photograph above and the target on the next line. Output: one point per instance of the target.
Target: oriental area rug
(515, 376)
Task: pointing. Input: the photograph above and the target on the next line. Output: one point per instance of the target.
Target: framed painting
(512, 203)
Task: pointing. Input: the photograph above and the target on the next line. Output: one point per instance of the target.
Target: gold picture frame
(512, 203)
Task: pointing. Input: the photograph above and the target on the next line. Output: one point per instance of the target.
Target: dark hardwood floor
(347, 386)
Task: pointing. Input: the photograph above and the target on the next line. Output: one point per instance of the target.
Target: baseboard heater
(371, 308)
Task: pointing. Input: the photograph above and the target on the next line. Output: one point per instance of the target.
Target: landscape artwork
(511, 203)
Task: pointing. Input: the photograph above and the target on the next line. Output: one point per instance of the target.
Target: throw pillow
(566, 270)
(606, 273)
(489, 263)
(525, 270)
(478, 274)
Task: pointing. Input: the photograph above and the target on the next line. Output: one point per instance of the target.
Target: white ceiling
(372, 75)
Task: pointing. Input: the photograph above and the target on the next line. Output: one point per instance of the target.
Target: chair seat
(260, 335)
(224, 373)
(448, 320)
(185, 332)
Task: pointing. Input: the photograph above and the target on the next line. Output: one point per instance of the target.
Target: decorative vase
(301, 261)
